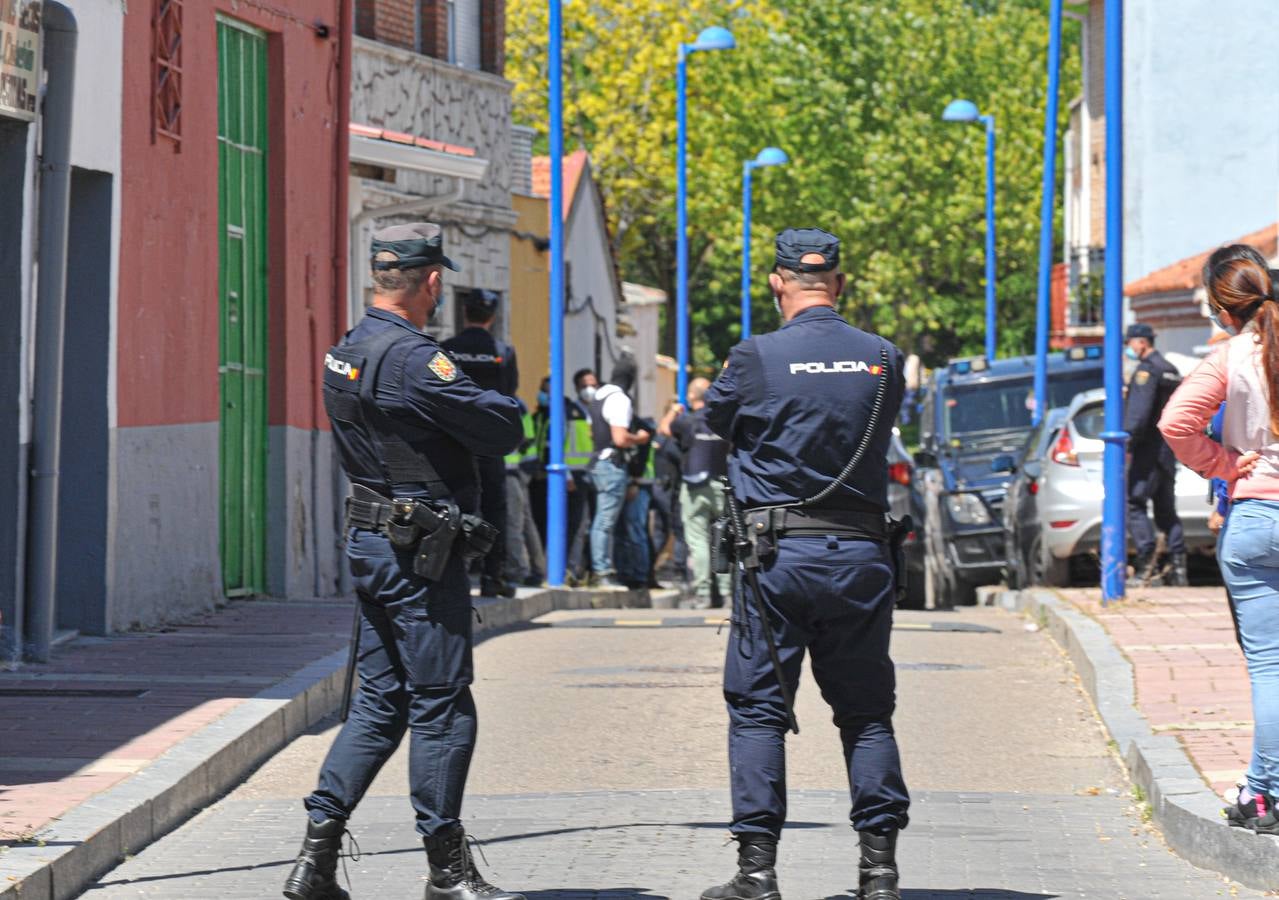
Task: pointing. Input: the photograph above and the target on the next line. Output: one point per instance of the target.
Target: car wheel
(1049, 570)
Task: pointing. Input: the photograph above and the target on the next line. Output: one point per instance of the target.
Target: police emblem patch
(442, 366)
(1143, 376)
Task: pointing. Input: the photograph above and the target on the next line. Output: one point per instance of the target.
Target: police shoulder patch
(1142, 377)
(442, 366)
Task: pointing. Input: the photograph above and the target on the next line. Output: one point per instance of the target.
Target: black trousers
(1150, 483)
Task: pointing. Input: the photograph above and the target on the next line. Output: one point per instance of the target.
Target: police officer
(795, 406)
(1152, 468)
(407, 424)
(491, 364)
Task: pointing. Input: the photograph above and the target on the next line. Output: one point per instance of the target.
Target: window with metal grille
(166, 71)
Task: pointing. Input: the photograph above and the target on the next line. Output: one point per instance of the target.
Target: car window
(1090, 421)
(1007, 405)
(1035, 442)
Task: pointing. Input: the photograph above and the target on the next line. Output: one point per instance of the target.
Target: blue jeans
(610, 494)
(633, 552)
(1248, 553)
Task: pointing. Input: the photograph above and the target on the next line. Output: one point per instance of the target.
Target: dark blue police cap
(1140, 330)
(481, 299)
(794, 244)
(416, 245)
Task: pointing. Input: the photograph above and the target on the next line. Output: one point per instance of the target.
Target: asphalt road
(601, 772)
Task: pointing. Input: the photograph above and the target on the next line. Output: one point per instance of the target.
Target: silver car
(1071, 491)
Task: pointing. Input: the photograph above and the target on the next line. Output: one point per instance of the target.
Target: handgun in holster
(478, 537)
(898, 531)
(428, 530)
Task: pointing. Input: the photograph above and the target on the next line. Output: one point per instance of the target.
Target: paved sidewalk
(105, 708)
(1191, 681)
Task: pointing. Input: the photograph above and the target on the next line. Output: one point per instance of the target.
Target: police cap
(794, 244)
(1140, 330)
(415, 245)
(483, 301)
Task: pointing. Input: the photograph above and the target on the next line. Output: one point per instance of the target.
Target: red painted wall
(168, 300)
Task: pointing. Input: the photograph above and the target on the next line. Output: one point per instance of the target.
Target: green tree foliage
(853, 90)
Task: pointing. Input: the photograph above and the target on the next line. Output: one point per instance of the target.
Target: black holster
(898, 531)
(722, 553)
(478, 537)
(428, 530)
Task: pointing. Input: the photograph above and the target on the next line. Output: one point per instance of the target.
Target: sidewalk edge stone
(96, 835)
(1182, 806)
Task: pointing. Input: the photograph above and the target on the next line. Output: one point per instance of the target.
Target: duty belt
(367, 508)
(798, 521)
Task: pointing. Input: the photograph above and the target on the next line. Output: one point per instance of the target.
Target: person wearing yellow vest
(525, 558)
(577, 457)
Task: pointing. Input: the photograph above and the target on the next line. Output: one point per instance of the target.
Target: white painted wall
(591, 275)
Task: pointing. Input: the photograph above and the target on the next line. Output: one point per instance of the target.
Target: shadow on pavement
(617, 893)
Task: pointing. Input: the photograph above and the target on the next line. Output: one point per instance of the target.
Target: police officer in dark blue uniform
(797, 405)
(1152, 467)
(407, 423)
(490, 363)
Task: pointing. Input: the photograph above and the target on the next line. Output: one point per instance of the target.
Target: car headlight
(967, 509)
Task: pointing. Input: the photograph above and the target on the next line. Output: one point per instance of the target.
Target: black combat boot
(756, 877)
(1143, 572)
(454, 875)
(314, 875)
(878, 869)
(1177, 575)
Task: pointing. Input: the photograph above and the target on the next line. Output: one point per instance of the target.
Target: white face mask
(777, 305)
(1216, 320)
(587, 394)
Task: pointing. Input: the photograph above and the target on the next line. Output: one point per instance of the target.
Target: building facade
(1201, 141)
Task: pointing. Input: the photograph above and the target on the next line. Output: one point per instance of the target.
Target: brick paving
(104, 708)
(1191, 678)
(662, 845)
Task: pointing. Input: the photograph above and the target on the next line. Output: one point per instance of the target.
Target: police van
(975, 410)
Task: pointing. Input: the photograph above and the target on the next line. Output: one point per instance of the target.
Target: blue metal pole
(557, 488)
(746, 249)
(991, 343)
(681, 236)
(1043, 308)
(1114, 538)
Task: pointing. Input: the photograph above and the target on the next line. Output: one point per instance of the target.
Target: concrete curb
(1182, 805)
(96, 835)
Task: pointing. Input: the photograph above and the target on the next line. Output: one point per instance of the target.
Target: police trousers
(415, 671)
(833, 598)
(1149, 483)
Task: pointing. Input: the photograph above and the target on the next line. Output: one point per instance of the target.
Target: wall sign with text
(19, 57)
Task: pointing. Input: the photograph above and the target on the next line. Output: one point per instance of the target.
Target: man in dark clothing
(490, 363)
(1152, 467)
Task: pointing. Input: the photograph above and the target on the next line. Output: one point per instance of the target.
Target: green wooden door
(242, 285)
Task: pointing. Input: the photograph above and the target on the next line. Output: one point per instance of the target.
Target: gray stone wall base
(76, 849)
(1182, 806)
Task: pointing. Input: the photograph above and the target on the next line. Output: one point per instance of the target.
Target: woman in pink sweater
(1244, 373)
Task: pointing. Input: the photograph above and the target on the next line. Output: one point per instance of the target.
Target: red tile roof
(574, 165)
(1187, 275)
(375, 133)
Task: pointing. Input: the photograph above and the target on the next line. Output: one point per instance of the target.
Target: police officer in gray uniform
(808, 411)
(407, 424)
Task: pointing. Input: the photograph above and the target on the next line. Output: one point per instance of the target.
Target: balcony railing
(1086, 274)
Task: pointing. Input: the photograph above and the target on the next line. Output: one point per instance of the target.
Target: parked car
(1071, 492)
(904, 500)
(1021, 505)
(975, 410)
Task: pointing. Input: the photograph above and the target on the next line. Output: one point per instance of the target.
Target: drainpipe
(51, 304)
(358, 252)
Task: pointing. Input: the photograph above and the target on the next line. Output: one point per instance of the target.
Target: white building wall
(593, 288)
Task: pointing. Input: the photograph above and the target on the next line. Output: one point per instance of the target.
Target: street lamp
(966, 111)
(556, 471)
(713, 38)
(769, 156)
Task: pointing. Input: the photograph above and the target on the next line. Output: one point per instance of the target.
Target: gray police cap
(414, 245)
(794, 244)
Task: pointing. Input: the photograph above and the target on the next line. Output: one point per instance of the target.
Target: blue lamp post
(1043, 306)
(769, 156)
(713, 38)
(1114, 535)
(966, 111)
(557, 485)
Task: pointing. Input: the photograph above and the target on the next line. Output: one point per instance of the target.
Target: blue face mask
(1228, 329)
(543, 398)
(1131, 353)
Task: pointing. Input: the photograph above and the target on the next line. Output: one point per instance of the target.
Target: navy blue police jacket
(1153, 383)
(794, 405)
(490, 363)
(430, 403)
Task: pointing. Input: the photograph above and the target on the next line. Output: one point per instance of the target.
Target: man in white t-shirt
(611, 415)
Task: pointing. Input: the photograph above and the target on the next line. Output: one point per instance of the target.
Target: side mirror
(925, 459)
(1003, 463)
